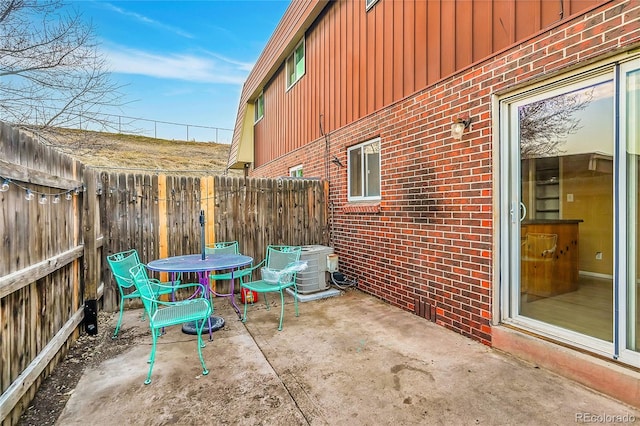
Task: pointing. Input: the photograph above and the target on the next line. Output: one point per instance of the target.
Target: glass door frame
(509, 205)
(627, 264)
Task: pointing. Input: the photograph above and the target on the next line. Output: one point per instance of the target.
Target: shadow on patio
(350, 359)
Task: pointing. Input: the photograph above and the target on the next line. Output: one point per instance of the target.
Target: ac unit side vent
(316, 276)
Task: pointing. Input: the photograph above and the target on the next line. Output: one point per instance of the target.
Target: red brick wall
(430, 238)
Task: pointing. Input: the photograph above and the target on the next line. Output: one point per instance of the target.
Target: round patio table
(203, 265)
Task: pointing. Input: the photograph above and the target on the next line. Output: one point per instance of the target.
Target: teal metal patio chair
(278, 272)
(120, 265)
(164, 314)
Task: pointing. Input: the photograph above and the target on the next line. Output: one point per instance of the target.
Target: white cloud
(148, 21)
(244, 66)
(176, 66)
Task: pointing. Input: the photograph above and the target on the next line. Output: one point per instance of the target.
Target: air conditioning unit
(315, 277)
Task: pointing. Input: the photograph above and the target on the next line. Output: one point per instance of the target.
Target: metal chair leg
(115, 333)
(281, 309)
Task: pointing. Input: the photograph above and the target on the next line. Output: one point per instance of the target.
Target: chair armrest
(200, 290)
(250, 269)
(156, 281)
(242, 272)
(182, 302)
(162, 288)
(128, 280)
(179, 286)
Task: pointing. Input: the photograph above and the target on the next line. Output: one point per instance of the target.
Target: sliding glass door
(571, 226)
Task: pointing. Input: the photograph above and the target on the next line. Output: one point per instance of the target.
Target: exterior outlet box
(316, 276)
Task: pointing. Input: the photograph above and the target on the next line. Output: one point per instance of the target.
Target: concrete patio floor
(350, 359)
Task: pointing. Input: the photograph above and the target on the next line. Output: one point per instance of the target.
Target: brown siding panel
(448, 38)
(378, 70)
(332, 34)
(328, 78)
(343, 39)
(464, 31)
(420, 44)
(433, 42)
(549, 13)
(503, 33)
(351, 76)
(482, 39)
(312, 71)
(409, 69)
(571, 7)
(371, 61)
(354, 60)
(398, 50)
(527, 17)
(362, 58)
(386, 31)
(358, 61)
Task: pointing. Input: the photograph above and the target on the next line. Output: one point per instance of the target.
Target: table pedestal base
(216, 324)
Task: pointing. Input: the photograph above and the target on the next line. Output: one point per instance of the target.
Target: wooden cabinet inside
(549, 257)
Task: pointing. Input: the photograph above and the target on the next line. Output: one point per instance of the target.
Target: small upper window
(295, 64)
(364, 171)
(259, 108)
(296, 171)
(369, 4)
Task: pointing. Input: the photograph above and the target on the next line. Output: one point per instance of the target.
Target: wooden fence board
(36, 177)
(12, 282)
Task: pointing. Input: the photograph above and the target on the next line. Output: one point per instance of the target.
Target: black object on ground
(216, 324)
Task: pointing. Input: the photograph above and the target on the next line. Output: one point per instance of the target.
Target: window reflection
(566, 151)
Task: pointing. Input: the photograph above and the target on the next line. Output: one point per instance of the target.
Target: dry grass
(112, 151)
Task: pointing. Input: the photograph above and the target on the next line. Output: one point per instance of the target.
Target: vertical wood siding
(358, 62)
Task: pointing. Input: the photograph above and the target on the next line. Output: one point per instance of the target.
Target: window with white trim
(296, 171)
(259, 108)
(363, 165)
(295, 65)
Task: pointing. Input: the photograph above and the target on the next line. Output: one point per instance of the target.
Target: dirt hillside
(140, 153)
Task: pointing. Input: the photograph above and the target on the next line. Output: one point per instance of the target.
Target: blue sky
(182, 61)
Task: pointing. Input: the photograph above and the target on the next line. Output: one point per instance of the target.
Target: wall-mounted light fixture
(5, 186)
(459, 126)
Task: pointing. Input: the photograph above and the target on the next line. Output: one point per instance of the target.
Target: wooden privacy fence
(41, 264)
(52, 270)
(159, 215)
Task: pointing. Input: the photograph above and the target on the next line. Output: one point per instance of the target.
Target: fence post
(91, 272)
